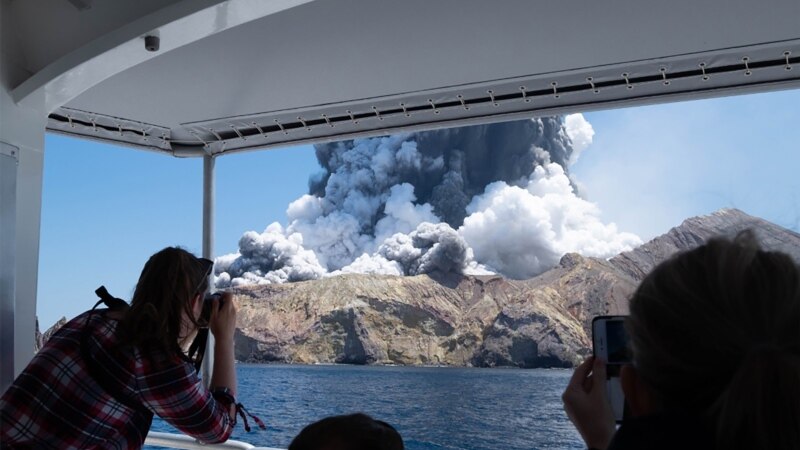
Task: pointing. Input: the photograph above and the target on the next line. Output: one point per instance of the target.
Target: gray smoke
(269, 257)
(478, 199)
(446, 167)
(429, 248)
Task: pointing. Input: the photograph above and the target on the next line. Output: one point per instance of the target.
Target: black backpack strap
(107, 299)
(198, 348)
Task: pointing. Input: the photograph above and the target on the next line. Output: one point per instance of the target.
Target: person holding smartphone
(715, 340)
(98, 381)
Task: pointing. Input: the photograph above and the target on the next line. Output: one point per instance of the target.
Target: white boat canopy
(252, 74)
(236, 75)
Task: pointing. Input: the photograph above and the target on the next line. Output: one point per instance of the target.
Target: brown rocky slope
(369, 319)
(459, 320)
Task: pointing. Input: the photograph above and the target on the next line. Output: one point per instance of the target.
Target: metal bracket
(9, 150)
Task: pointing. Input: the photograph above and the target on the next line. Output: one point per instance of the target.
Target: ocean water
(432, 408)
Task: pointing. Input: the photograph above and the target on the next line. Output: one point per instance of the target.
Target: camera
(152, 43)
(208, 302)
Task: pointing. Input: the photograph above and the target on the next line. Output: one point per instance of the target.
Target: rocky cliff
(696, 230)
(482, 321)
(370, 319)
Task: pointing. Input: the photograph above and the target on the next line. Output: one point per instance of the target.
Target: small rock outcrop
(42, 338)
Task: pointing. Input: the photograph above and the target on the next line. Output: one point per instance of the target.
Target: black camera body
(208, 302)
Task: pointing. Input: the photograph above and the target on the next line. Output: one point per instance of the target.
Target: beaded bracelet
(225, 393)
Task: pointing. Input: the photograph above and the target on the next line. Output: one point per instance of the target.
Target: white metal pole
(22, 133)
(208, 251)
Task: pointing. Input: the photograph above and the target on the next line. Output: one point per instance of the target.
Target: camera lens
(152, 43)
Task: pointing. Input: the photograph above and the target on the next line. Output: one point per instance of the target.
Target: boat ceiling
(337, 69)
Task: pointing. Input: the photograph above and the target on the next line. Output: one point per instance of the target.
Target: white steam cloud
(474, 200)
(580, 133)
(523, 231)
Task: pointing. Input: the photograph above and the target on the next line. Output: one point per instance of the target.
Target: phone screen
(611, 344)
(617, 342)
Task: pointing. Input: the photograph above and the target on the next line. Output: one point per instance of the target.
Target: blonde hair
(715, 332)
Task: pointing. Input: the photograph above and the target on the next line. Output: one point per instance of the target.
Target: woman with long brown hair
(100, 379)
(715, 339)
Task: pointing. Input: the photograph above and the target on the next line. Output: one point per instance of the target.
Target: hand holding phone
(587, 406)
(610, 342)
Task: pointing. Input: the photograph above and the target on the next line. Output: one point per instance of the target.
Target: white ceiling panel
(332, 69)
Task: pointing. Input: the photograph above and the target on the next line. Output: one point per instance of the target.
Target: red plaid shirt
(56, 404)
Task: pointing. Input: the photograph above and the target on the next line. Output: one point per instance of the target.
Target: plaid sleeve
(179, 397)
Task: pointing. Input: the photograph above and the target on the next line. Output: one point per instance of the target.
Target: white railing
(181, 441)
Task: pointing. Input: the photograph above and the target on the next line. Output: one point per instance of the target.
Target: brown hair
(715, 332)
(349, 432)
(169, 281)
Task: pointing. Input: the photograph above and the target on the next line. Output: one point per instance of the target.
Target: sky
(106, 209)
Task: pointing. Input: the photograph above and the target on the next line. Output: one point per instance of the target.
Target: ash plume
(446, 167)
(478, 199)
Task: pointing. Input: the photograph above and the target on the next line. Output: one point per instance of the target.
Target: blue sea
(433, 408)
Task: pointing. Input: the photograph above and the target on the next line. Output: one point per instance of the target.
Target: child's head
(348, 432)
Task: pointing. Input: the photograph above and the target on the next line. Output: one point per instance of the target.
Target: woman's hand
(223, 317)
(587, 406)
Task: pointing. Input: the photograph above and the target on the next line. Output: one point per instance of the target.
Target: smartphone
(610, 342)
